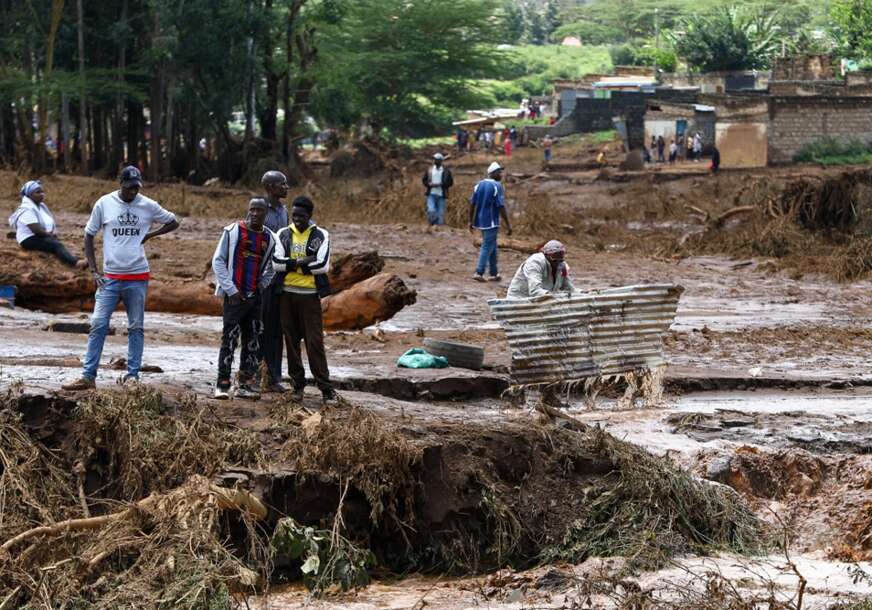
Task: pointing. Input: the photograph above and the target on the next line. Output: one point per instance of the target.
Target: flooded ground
(768, 390)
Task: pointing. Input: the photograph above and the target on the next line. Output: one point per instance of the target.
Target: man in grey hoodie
(124, 217)
(541, 274)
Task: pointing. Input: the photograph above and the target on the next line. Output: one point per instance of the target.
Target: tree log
(349, 269)
(518, 245)
(226, 498)
(374, 300)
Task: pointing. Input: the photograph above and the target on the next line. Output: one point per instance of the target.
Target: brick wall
(798, 121)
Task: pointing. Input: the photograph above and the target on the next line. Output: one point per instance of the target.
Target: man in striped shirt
(243, 270)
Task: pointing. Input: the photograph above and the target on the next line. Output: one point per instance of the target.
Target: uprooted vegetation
(109, 500)
(820, 224)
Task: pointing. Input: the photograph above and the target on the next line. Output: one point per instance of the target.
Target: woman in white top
(35, 226)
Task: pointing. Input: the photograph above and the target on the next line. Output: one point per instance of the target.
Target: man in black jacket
(437, 180)
(302, 256)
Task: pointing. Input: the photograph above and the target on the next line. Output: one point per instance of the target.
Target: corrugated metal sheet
(567, 337)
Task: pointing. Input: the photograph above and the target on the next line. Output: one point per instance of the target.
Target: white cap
(493, 167)
(439, 156)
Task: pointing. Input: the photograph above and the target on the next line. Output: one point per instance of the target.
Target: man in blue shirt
(487, 205)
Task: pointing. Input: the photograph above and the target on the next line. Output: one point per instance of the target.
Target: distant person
(487, 206)
(513, 135)
(689, 148)
(547, 143)
(35, 226)
(673, 152)
(661, 147)
(716, 160)
(437, 180)
(124, 217)
(243, 269)
(543, 273)
(507, 146)
(601, 158)
(697, 147)
(275, 183)
(302, 258)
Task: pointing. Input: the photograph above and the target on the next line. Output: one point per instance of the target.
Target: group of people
(270, 270)
(657, 150)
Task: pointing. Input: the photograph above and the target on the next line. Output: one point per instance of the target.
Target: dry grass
(174, 553)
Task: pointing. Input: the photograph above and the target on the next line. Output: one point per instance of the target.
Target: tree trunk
(374, 300)
(57, 10)
(65, 132)
(118, 115)
(99, 156)
(83, 120)
(268, 118)
(170, 125)
(134, 132)
(251, 85)
(157, 87)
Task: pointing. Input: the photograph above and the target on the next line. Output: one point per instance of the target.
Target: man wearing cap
(243, 271)
(542, 274)
(437, 180)
(125, 218)
(275, 184)
(487, 206)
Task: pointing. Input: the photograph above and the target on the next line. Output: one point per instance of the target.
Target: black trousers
(273, 336)
(302, 321)
(52, 246)
(241, 323)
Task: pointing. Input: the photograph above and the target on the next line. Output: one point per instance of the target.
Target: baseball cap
(493, 167)
(439, 156)
(131, 176)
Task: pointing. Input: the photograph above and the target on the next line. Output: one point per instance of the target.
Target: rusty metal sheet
(570, 337)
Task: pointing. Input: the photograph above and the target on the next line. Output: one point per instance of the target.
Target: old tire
(461, 355)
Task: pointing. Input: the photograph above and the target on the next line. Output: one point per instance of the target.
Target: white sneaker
(246, 391)
(221, 393)
(478, 277)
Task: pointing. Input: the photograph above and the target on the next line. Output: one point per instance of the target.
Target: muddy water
(558, 587)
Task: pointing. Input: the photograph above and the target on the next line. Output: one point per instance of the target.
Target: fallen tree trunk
(518, 245)
(349, 269)
(225, 498)
(374, 300)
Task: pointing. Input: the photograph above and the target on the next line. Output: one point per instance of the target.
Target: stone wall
(795, 122)
(804, 67)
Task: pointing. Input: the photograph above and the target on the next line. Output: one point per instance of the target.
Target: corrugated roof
(569, 337)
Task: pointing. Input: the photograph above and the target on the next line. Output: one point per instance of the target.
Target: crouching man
(543, 273)
(303, 257)
(243, 269)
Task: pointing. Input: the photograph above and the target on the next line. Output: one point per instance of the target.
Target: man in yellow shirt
(302, 256)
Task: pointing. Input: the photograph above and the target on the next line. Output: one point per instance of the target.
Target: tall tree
(406, 66)
(851, 27)
(730, 39)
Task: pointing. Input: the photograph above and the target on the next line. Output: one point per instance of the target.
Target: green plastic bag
(419, 358)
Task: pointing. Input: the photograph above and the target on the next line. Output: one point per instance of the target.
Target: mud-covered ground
(767, 389)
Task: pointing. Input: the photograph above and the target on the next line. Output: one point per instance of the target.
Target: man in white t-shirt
(124, 217)
(437, 180)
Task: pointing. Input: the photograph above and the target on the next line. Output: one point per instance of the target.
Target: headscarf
(27, 202)
(29, 187)
(553, 247)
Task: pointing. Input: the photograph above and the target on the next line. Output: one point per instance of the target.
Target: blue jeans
(436, 209)
(132, 294)
(488, 254)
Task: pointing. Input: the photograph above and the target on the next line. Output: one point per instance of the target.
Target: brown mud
(430, 470)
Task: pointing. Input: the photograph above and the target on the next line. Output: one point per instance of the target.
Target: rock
(719, 469)
(120, 364)
(82, 328)
(632, 162)
(374, 300)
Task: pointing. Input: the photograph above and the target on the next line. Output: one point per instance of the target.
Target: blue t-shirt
(487, 197)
